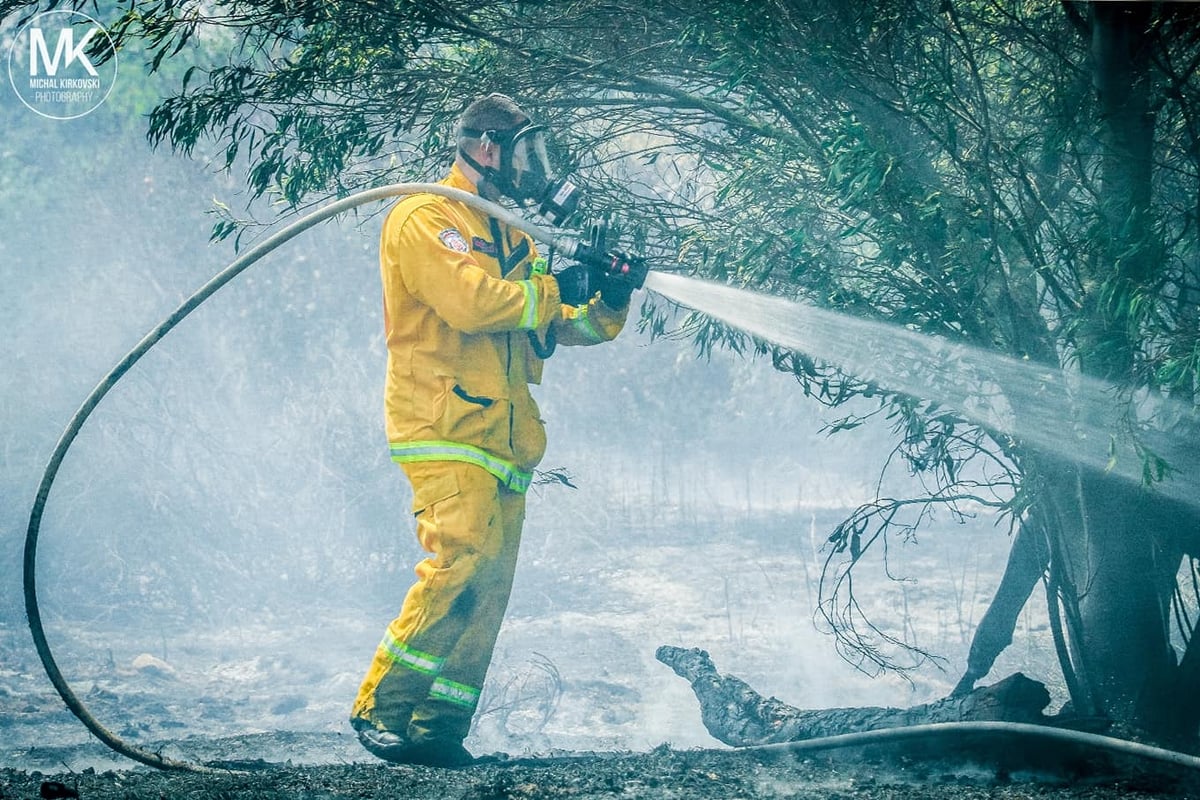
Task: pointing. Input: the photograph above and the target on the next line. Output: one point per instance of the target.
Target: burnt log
(737, 715)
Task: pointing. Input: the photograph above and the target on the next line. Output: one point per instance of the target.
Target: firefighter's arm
(590, 323)
(431, 257)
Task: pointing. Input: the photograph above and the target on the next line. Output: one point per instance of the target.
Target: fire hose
(570, 247)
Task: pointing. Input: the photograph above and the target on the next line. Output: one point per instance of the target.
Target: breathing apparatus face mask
(525, 175)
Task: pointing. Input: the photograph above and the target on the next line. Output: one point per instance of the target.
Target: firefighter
(469, 314)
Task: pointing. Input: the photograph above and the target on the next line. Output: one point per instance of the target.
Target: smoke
(231, 503)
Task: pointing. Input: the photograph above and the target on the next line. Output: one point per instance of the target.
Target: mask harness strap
(489, 182)
(497, 180)
(487, 172)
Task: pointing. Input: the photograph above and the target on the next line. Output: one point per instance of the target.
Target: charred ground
(661, 773)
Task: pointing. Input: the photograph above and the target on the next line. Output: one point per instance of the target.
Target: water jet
(1066, 415)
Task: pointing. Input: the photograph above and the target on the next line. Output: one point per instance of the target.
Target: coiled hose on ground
(546, 236)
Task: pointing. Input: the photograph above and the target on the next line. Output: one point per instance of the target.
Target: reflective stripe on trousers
(411, 657)
(457, 693)
(428, 664)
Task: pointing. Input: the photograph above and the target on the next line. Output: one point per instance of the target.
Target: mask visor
(530, 163)
(533, 180)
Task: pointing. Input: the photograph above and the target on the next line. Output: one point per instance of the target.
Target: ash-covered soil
(574, 672)
(662, 773)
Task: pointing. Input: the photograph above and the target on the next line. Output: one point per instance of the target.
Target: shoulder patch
(454, 240)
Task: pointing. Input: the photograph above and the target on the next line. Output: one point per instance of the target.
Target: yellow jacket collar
(459, 180)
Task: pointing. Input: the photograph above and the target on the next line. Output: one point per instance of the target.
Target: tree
(1018, 176)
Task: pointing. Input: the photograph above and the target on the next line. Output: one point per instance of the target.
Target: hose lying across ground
(998, 729)
(545, 236)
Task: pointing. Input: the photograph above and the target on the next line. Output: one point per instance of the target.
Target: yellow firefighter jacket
(460, 297)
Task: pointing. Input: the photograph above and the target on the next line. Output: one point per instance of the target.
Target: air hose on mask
(571, 248)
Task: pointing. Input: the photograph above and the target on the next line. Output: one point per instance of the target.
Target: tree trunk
(1124, 560)
(1115, 551)
(739, 716)
(1128, 575)
(1122, 259)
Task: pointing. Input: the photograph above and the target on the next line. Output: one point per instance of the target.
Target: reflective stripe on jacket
(460, 299)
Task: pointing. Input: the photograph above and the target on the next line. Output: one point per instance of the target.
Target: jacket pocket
(486, 402)
(468, 416)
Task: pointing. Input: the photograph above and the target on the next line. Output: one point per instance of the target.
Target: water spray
(1069, 415)
(928, 368)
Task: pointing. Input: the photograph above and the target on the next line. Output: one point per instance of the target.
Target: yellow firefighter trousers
(425, 679)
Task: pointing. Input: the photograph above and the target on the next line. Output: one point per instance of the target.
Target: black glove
(576, 284)
(626, 273)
